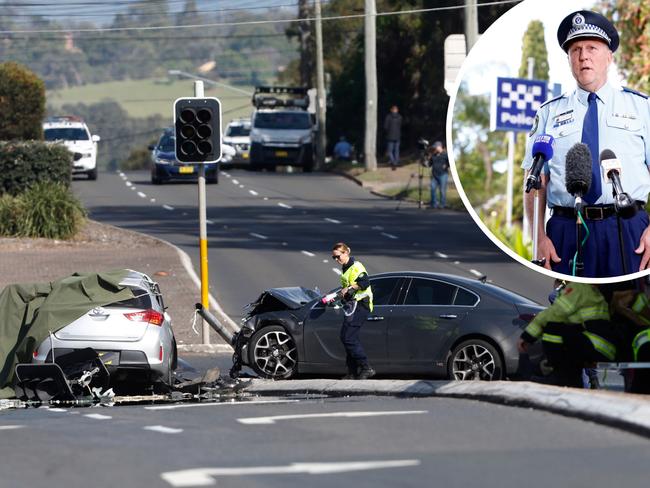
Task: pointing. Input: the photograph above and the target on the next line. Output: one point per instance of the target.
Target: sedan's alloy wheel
(274, 354)
(474, 362)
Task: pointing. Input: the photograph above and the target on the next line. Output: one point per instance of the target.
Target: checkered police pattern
(517, 102)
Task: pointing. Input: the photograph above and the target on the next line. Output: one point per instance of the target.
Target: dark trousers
(601, 254)
(639, 379)
(355, 356)
(569, 358)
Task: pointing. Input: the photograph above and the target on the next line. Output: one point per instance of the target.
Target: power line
(256, 22)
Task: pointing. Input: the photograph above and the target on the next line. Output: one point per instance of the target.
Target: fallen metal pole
(220, 329)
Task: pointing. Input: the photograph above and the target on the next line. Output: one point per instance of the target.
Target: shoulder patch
(634, 92)
(552, 100)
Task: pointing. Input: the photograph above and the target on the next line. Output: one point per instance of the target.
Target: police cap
(586, 24)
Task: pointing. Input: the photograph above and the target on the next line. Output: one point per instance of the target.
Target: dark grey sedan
(423, 323)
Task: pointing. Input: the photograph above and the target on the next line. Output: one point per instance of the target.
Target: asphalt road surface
(316, 442)
(276, 229)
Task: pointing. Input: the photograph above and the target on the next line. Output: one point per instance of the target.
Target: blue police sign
(516, 103)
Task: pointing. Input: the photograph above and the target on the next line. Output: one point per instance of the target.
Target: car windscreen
(66, 134)
(282, 120)
(238, 131)
(141, 299)
(166, 143)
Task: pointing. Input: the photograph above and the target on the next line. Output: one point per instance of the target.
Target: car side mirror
(151, 147)
(96, 138)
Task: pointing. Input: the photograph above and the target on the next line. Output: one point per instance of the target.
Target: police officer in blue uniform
(602, 117)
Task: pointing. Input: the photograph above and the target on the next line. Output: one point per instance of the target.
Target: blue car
(165, 167)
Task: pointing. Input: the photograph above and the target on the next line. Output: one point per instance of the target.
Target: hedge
(22, 164)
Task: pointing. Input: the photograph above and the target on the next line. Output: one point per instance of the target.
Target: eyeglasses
(336, 257)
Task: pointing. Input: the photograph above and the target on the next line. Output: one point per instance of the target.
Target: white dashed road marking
(475, 272)
(194, 405)
(162, 429)
(259, 236)
(307, 253)
(253, 192)
(168, 207)
(235, 182)
(441, 255)
(11, 427)
(98, 416)
(337, 271)
(284, 205)
(333, 221)
(211, 222)
(390, 236)
(128, 183)
(273, 419)
(142, 195)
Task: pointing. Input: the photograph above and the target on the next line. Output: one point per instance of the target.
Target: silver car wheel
(474, 362)
(274, 353)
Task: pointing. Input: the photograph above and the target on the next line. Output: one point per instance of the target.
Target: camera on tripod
(427, 152)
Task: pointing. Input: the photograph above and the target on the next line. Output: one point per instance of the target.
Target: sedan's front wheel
(475, 359)
(272, 353)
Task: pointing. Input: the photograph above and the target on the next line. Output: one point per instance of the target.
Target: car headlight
(163, 161)
(305, 139)
(258, 137)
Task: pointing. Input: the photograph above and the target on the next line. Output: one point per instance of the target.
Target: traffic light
(197, 124)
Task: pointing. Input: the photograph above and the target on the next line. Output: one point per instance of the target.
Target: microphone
(623, 203)
(578, 172)
(542, 152)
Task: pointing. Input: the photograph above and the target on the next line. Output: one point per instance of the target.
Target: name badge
(563, 119)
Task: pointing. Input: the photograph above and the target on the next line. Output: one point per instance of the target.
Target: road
(315, 442)
(276, 229)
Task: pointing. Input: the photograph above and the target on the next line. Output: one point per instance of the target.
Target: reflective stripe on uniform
(597, 312)
(641, 307)
(534, 329)
(555, 339)
(601, 345)
(641, 339)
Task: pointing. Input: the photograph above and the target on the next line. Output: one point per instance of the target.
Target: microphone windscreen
(578, 169)
(607, 154)
(543, 145)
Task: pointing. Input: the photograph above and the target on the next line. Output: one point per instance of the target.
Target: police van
(74, 134)
(282, 129)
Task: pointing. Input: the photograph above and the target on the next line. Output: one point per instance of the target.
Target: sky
(498, 51)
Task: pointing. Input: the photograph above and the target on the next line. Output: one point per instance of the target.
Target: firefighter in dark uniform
(575, 331)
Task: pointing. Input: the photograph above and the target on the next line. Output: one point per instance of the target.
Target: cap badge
(578, 20)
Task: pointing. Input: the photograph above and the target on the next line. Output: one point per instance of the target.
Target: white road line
(56, 410)
(133, 188)
(333, 221)
(377, 227)
(259, 236)
(142, 195)
(390, 236)
(153, 200)
(456, 262)
(211, 222)
(266, 198)
(325, 261)
(337, 271)
(98, 416)
(162, 429)
(284, 205)
(128, 183)
(253, 192)
(11, 427)
(205, 476)
(168, 207)
(235, 182)
(285, 244)
(475, 272)
(194, 405)
(441, 255)
(307, 253)
(273, 419)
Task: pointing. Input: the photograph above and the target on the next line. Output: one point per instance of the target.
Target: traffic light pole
(203, 236)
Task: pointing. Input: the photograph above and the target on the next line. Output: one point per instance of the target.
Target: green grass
(141, 98)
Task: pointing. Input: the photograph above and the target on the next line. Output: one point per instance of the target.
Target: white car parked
(74, 134)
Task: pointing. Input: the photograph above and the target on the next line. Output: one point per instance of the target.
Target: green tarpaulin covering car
(29, 312)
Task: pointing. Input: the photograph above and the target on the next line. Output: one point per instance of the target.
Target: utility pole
(370, 47)
(304, 29)
(321, 107)
(471, 24)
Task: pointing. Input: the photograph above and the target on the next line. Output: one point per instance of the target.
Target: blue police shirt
(623, 127)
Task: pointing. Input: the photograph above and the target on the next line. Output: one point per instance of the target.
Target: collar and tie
(590, 138)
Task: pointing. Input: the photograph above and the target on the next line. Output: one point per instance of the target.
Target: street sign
(515, 104)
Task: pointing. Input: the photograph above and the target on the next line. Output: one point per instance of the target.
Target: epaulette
(629, 90)
(552, 100)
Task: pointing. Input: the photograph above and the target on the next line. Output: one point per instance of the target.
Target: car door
(428, 318)
(323, 326)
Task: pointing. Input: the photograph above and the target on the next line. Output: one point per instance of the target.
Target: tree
(22, 103)
(632, 20)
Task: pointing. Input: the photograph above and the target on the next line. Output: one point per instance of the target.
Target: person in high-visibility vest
(575, 331)
(632, 307)
(357, 299)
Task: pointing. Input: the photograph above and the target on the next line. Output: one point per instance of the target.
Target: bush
(46, 210)
(139, 158)
(22, 103)
(22, 164)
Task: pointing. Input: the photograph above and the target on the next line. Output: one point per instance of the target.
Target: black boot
(366, 372)
(352, 374)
